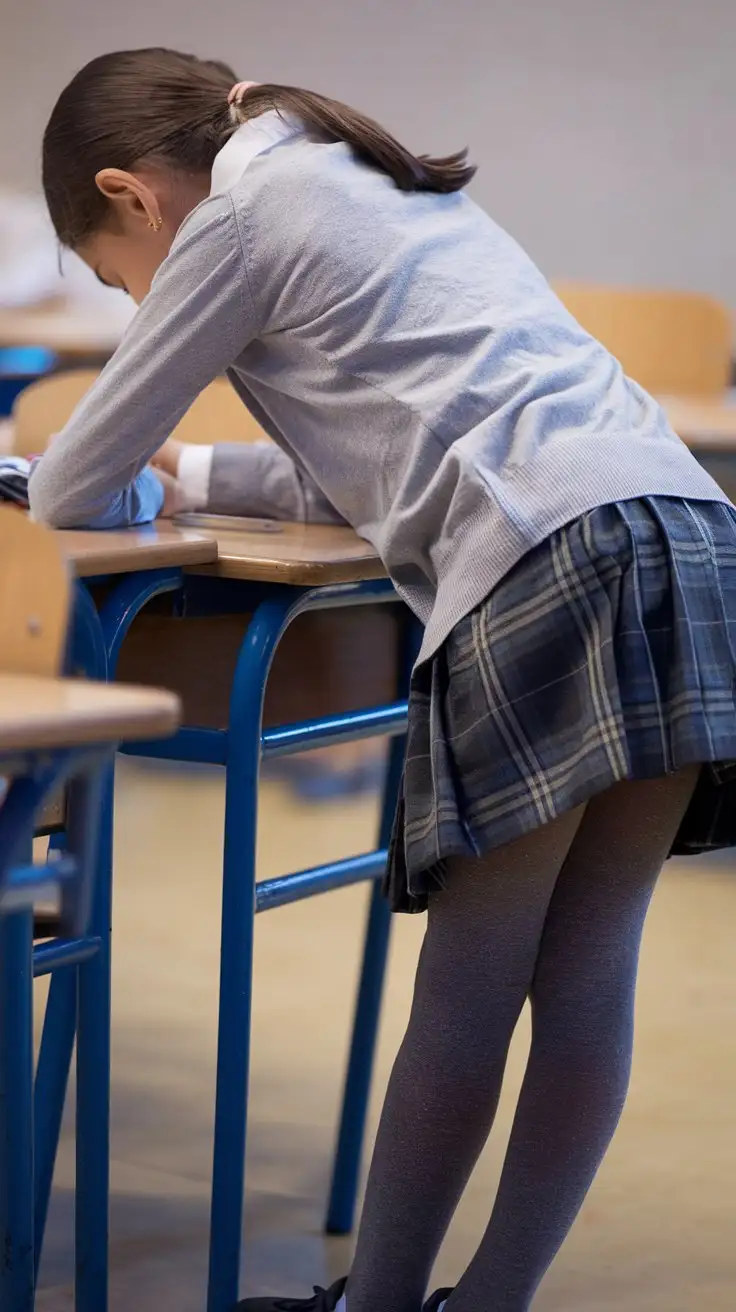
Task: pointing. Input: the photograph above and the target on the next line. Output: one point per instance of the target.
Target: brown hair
(157, 104)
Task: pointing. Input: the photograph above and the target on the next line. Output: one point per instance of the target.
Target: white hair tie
(235, 99)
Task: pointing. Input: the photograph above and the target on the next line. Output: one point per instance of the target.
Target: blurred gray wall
(605, 132)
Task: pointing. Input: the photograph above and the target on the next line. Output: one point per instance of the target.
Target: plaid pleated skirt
(607, 653)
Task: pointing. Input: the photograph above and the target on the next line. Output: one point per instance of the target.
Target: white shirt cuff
(193, 476)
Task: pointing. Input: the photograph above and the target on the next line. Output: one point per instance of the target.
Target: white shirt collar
(251, 139)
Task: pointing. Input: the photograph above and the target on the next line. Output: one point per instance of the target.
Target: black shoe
(322, 1300)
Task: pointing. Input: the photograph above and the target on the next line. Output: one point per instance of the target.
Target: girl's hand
(166, 459)
(173, 499)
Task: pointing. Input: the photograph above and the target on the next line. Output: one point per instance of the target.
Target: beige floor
(659, 1230)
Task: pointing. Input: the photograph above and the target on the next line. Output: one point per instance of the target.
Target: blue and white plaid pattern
(608, 653)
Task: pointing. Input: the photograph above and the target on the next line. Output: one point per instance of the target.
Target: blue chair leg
(52, 1077)
(16, 1113)
(351, 1134)
(93, 1084)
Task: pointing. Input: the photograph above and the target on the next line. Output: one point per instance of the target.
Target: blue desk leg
(93, 988)
(236, 949)
(16, 1113)
(351, 1134)
(93, 1084)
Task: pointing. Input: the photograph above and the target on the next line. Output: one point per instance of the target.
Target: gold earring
(156, 224)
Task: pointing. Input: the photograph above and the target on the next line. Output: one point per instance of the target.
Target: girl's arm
(254, 479)
(197, 318)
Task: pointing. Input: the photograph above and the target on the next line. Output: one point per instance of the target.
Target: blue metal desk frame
(239, 748)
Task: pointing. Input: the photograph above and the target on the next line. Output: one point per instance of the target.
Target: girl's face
(147, 209)
(125, 260)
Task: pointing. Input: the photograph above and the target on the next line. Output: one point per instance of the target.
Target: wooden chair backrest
(672, 343)
(35, 597)
(218, 414)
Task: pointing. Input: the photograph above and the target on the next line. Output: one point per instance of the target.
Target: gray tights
(557, 917)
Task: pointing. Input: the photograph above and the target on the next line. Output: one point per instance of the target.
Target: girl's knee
(595, 996)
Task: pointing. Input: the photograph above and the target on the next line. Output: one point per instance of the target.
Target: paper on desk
(234, 523)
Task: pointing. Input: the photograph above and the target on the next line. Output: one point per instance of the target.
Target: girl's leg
(475, 972)
(583, 1013)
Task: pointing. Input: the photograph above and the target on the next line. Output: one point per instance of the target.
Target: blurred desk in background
(709, 429)
(67, 330)
(703, 424)
(41, 340)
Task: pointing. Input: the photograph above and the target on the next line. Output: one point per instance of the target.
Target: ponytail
(164, 106)
(370, 143)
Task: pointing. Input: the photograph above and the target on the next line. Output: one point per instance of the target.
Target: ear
(129, 196)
